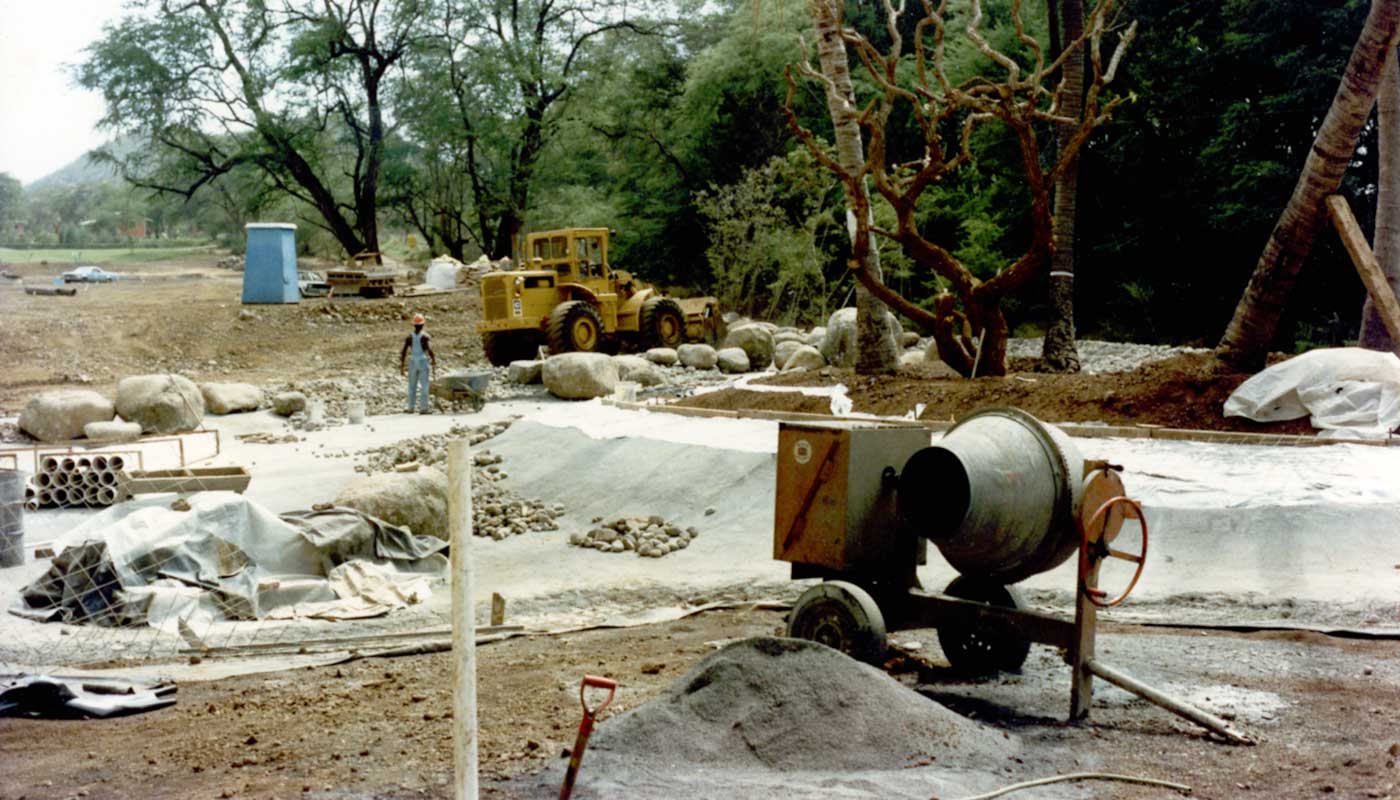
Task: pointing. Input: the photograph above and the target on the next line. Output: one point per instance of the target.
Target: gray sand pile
(793, 705)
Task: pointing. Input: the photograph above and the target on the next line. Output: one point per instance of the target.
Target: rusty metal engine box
(835, 505)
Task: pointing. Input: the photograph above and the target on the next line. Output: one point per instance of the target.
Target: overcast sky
(45, 121)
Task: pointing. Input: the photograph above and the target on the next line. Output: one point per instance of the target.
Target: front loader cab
(575, 255)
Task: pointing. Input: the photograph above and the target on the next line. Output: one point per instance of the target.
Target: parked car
(312, 284)
(89, 275)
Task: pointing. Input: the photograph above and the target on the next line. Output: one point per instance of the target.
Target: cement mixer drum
(998, 495)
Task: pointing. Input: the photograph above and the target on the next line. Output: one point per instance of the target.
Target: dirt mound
(1185, 391)
(791, 705)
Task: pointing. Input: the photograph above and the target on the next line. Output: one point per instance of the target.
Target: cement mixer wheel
(841, 616)
(985, 650)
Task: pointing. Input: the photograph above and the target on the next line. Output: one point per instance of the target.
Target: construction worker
(417, 351)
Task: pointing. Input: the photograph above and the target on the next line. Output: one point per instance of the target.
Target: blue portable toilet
(270, 263)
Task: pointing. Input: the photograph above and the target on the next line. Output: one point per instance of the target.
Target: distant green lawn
(113, 255)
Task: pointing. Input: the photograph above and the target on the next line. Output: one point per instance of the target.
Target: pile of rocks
(231, 262)
(429, 450)
(497, 512)
(381, 392)
(1097, 357)
(648, 537)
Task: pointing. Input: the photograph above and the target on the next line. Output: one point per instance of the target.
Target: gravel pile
(497, 512)
(650, 537)
(1101, 357)
(788, 705)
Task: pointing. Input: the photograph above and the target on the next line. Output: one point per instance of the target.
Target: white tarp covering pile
(1349, 392)
(445, 272)
(228, 558)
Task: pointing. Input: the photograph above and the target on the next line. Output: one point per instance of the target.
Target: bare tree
(1387, 237)
(967, 323)
(1058, 352)
(1252, 330)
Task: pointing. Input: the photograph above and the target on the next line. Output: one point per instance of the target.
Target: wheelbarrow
(462, 387)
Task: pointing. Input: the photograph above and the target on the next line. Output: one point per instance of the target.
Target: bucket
(11, 518)
(355, 410)
(625, 391)
(315, 412)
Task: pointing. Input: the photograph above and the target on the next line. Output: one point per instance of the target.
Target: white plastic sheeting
(1349, 392)
(443, 272)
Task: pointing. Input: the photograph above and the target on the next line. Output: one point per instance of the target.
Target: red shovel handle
(596, 682)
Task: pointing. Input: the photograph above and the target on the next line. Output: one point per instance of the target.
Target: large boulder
(908, 339)
(912, 359)
(580, 376)
(160, 403)
(756, 340)
(664, 356)
(638, 370)
(112, 431)
(415, 500)
(525, 371)
(732, 360)
(839, 345)
(789, 335)
(816, 337)
(699, 356)
(805, 357)
(230, 398)
(61, 415)
(288, 403)
(783, 350)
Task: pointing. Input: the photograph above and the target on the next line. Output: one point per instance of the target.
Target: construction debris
(47, 697)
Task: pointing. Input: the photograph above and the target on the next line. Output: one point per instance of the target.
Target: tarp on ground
(228, 558)
(1348, 392)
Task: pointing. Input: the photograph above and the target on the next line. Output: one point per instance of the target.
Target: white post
(459, 514)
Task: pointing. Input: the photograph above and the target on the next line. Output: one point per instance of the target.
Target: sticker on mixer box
(802, 451)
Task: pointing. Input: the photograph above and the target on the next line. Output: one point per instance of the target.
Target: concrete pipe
(31, 505)
(998, 495)
(58, 479)
(45, 498)
(49, 464)
(84, 463)
(99, 463)
(68, 465)
(59, 496)
(107, 495)
(92, 496)
(107, 478)
(91, 478)
(116, 463)
(43, 480)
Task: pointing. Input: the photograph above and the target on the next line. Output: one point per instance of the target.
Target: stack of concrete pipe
(73, 481)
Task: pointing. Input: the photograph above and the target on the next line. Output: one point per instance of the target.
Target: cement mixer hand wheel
(841, 616)
(1095, 546)
(985, 649)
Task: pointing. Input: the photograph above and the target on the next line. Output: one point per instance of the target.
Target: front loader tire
(504, 347)
(661, 324)
(574, 327)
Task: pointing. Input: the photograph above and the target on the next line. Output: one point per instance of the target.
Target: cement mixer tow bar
(1002, 496)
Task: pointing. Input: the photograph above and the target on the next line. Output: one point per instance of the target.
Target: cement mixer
(1002, 496)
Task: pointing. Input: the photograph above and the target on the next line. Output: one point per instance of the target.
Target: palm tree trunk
(1058, 353)
(1387, 237)
(876, 348)
(1255, 324)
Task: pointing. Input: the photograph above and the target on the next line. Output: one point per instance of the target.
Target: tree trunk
(1252, 330)
(1387, 237)
(1058, 353)
(876, 349)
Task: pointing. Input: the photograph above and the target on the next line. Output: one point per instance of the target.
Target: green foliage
(763, 240)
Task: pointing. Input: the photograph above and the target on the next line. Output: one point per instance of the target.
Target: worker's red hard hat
(418, 319)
